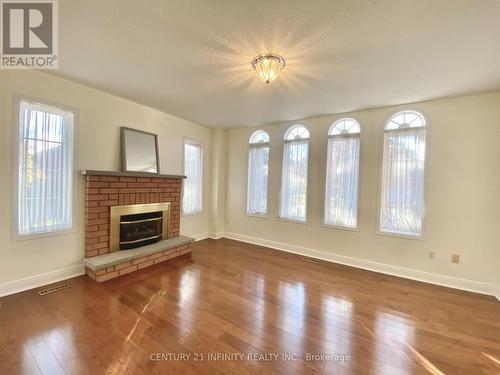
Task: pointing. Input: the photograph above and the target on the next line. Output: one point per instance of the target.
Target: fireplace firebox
(138, 225)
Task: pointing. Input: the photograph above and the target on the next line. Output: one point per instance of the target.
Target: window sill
(401, 235)
(291, 220)
(27, 237)
(257, 216)
(196, 213)
(339, 227)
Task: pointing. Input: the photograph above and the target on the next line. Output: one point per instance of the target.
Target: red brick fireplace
(104, 190)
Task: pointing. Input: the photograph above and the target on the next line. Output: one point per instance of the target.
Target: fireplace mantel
(90, 172)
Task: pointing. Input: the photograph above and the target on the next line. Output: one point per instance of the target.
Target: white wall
(463, 196)
(97, 147)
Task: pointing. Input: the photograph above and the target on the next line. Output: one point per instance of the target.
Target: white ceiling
(191, 58)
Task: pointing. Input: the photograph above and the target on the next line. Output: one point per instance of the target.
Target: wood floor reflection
(248, 300)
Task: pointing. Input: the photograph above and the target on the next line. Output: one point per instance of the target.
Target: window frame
(194, 142)
(358, 208)
(284, 141)
(250, 145)
(16, 102)
(427, 127)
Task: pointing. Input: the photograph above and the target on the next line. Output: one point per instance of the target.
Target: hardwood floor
(245, 299)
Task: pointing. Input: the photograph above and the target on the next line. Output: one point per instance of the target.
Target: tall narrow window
(342, 174)
(192, 198)
(293, 197)
(402, 203)
(44, 167)
(258, 164)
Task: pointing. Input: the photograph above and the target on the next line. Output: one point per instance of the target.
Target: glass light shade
(268, 66)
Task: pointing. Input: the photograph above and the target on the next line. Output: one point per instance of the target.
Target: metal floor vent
(53, 289)
(312, 260)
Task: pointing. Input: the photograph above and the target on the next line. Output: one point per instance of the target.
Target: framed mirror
(139, 151)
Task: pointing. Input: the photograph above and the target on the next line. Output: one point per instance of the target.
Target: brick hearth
(136, 264)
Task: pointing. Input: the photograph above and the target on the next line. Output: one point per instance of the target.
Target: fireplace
(131, 211)
(138, 225)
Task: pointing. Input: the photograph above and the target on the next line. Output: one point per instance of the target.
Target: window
(402, 202)
(44, 168)
(293, 197)
(342, 174)
(192, 198)
(258, 164)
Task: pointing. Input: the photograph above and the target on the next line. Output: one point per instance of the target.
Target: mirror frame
(124, 150)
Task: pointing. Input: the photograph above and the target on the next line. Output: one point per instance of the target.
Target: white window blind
(258, 164)
(342, 174)
(402, 203)
(293, 197)
(192, 198)
(45, 169)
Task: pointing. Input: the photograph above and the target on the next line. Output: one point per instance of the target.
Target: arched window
(342, 174)
(259, 137)
(293, 196)
(296, 132)
(258, 166)
(402, 207)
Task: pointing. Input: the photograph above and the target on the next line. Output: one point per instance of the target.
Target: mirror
(139, 151)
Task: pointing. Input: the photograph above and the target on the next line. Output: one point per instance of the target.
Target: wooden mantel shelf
(89, 172)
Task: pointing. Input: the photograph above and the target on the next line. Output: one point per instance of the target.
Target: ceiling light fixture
(268, 66)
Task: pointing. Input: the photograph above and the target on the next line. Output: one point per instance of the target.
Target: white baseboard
(199, 237)
(37, 281)
(407, 273)
(496, 292)
(216, 236)
(204, 236)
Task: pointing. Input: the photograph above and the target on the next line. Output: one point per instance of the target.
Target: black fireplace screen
(140, 229)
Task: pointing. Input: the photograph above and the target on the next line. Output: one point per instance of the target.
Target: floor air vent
(53, 289)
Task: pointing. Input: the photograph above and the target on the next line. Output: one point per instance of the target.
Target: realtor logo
(29, 34)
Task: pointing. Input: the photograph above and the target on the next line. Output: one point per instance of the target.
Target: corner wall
(97, 147)
(218, 191)
(463, 193)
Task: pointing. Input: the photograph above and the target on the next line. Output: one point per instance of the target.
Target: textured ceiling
(192, 58)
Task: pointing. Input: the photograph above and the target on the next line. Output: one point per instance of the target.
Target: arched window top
(258, 137)
(405, 120)
(296, 132)
(344, 126)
